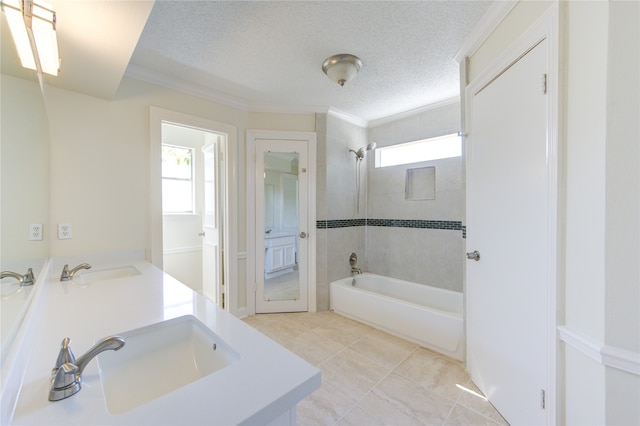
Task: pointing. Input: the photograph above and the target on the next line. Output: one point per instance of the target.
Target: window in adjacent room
(177, 179)
(446, 146)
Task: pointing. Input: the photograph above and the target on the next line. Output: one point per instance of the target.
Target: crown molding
(349, 118)
(154, 77)
(158, 78)
(415, 111)
(489, 22)
(286, 109)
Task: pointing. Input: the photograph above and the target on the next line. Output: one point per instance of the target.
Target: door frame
(157, 116)
(546, 27)
(253, 210)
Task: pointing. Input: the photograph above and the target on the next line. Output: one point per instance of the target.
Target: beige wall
(24, 154)
(598, 293)
(99, 164)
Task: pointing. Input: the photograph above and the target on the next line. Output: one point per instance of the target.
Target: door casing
(253, 211)
(157, 116)
(546, 27)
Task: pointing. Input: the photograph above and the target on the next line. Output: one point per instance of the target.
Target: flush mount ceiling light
(341, 68)
(33, 27)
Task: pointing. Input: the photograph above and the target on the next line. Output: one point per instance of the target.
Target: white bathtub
(428, 316)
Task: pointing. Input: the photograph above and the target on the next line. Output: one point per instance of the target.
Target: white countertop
(267, 381)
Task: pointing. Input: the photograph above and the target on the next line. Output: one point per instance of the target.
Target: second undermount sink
(159, 359)
(92, 275)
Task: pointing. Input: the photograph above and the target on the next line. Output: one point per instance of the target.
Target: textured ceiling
(268, 54)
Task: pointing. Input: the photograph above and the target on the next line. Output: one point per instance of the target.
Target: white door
(508, 225)
(281, 235)
(211, 225)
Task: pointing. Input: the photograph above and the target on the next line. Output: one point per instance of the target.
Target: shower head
(362, 152)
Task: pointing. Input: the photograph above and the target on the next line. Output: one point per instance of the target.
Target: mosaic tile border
(394, 223)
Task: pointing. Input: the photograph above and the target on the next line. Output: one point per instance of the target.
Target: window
(446, 146)
(177, 179)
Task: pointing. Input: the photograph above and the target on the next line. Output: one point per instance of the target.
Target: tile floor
(282, 287)
(372, 378)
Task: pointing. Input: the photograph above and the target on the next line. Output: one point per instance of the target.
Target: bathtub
(428, 316)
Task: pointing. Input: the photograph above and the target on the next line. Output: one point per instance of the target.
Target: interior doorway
(193, 203)
(511, 235)
(281, 231)
(192, 208)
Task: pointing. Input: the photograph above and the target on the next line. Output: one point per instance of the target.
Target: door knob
(303, 234)
(473, 255)
(201, 234)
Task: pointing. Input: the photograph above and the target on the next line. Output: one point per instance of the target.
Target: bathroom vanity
(280, 252)
(241, 376)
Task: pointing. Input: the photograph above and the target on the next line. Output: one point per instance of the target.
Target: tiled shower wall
(418, 241)
(336, 202)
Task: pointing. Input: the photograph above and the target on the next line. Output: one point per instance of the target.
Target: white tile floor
(372, 378)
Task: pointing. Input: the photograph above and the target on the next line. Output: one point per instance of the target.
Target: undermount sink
(159, 359)
(92, 275)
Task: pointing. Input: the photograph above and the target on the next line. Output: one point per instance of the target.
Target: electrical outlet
(35, 232)
(64, 231)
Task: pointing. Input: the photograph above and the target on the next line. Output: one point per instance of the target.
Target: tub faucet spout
(355, 271)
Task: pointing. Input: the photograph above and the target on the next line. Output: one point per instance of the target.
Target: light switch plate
(35, 232)
(64, 231)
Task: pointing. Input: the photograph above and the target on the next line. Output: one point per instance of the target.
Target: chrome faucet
(66, 376)
(353, 259)
(24, 280)
(68, 274)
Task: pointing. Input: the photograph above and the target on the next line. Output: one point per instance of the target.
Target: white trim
(158, 78)
(349, 118)
(178, 250)
(546, 27)
(159, 116)
(242, 312)
(169, 82)
(242, 255)
(250, 254)
(609, 356)
(164, 80)
(483, 29)
(286, 109)
(436, 105)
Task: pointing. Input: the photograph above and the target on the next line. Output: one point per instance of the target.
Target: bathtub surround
(399, 223)
(336, 201)
(417, 241)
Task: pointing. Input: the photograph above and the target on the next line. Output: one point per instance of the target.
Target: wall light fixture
(33, 27)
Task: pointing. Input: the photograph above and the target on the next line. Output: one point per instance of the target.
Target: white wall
(599, 294)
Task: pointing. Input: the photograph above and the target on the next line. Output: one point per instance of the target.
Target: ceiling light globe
(341, 68)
